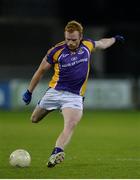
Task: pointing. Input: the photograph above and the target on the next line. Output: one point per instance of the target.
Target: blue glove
(27, 96)
(119, 38)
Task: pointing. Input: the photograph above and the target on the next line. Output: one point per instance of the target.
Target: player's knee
(73, 122)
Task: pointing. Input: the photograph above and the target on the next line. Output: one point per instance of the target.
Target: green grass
(105, 145)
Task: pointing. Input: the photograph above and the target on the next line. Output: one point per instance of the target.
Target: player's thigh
(39, 113)
(71, 116)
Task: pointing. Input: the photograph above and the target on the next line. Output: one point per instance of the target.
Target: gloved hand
(119, 38)
(27, 96)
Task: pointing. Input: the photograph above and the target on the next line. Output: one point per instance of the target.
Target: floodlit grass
(106, 144)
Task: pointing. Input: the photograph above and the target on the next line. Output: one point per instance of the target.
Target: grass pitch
(105, 145)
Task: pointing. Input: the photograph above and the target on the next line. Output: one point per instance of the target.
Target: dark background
(29, 27)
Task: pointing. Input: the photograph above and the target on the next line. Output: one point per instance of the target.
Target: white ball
(20, 158)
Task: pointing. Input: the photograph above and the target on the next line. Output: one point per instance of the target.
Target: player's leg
(38, 114)
(47, 104)
(71, 119)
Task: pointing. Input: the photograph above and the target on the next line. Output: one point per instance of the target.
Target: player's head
(73, 34)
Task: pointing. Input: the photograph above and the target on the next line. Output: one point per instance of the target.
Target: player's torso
(73, 65)
(71, 69)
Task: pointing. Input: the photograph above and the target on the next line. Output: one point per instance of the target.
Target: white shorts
(54, 99)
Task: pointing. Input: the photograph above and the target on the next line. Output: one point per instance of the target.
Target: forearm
(34, 81)
(27, 96)
(44, 66)
(105, 43)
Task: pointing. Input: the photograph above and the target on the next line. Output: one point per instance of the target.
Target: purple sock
(57, 150)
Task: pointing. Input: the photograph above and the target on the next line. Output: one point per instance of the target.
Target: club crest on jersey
(80, 51)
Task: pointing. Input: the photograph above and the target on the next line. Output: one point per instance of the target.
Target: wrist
(116, 38)
(29, 92)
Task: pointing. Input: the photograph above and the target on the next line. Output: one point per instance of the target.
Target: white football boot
(56, 159)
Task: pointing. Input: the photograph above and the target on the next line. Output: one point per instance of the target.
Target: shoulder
(89, 43)
(62, 43)
(57, 47)
(54, 52)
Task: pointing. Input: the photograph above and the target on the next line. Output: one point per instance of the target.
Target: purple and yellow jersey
(71, 69)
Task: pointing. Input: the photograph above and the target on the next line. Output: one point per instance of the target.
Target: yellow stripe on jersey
(55, 77)
(89, 45)
(51, 49)
(56, 55)
(83, 88)
(60, 43)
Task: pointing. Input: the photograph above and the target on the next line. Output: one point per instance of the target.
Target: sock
(57, 150)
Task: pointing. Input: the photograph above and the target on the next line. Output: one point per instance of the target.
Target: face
(72, 40)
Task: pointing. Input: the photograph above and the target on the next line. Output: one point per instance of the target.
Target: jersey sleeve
(90, 44)
(53, 53)
(49, 56)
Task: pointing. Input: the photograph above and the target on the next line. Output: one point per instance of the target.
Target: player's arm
(43, 67)
(107, 42)
(104, 43)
